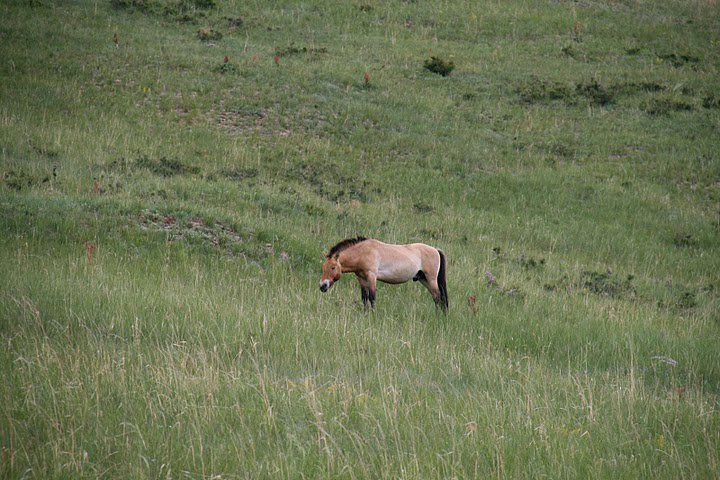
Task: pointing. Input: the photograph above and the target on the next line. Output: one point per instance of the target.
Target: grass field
(173, 170)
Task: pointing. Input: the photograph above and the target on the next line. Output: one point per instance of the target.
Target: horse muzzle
(325, 285)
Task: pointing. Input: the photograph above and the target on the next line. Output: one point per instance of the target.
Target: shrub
(293, 49)
(678, 59)
(439, 65)
(711, 101)
(536, 90)
(594, 92)
(20, 180)
(178, 9)
(665, 105)
(606, 284)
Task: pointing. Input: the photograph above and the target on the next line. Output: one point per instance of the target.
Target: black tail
(442, 283)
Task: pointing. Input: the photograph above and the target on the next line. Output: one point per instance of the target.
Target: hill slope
(172, 171)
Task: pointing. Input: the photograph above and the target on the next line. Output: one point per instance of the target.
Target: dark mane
(348, 242)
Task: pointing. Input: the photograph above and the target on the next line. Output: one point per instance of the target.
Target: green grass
(571, 156)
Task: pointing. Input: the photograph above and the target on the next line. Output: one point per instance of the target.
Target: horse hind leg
(434, 289)
(431, 285)
(372, 287)
(435, 282)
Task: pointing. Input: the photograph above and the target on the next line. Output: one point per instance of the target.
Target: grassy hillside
(172, 171)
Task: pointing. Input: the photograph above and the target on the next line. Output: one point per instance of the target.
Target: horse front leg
(364, 290)
(368, 283)
(364, 294)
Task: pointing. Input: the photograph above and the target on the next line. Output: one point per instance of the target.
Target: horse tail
(442, 282)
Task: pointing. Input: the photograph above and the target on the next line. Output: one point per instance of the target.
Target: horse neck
(348, 259)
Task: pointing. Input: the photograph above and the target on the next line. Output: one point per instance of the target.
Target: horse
(372, 260)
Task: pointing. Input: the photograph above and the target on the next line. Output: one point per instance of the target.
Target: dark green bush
(536, 90)
(439, 65)
(596, 93)
(665, 105)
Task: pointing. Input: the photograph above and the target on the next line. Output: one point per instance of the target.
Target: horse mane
(348, 242)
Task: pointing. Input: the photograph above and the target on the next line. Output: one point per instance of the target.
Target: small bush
(606, 284)
(239, 174)
(594, 92)
(235, 22)
(226, 66)
(685, 240)
(686, 301)
(204, 4)
(711, 101)
(665, 105)
(631, 88)
(422, 207)
(293, 49)
(21, 180)
(570, 51)
(164, 167)
(531, 263)
(536, 90)
(140, 5)
(181, 10)
(678, 60)
(440, 66)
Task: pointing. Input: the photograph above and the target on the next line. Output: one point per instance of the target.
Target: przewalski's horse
(372, 260)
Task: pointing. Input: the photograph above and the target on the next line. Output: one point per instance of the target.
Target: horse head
(331, 272)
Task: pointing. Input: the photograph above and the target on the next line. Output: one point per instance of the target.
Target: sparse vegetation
(180, 10)
(293, 49)
(594, 92)
(207, 34)
(536, 90)
(165, 203)
(678, 60)
(666, 104)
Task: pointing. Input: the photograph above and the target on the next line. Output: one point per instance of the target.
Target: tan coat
(372, 260)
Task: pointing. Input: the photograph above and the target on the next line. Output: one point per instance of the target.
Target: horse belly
(398, 272)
